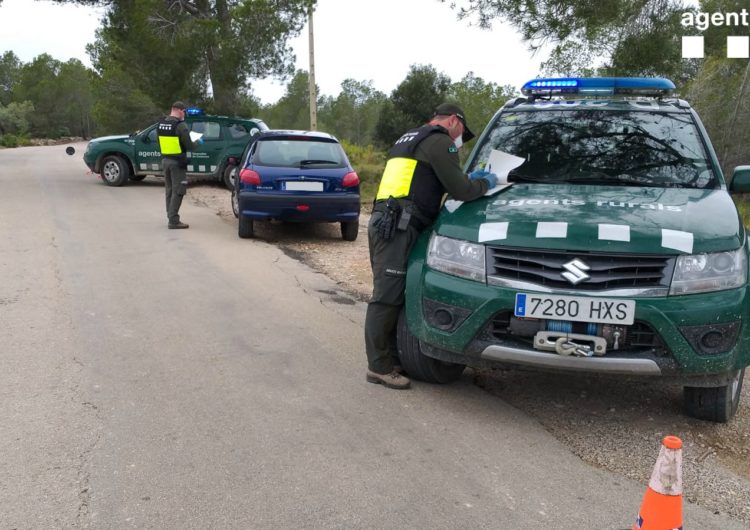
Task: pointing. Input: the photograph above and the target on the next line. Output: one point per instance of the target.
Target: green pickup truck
(118, 159)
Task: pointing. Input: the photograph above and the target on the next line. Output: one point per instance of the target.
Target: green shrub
(743, 205)
(60, 132)
(368, 162)
(14, 140)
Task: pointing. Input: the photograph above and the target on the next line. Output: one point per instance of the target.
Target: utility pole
(311, 76)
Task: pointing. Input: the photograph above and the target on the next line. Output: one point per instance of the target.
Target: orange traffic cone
(662, 505)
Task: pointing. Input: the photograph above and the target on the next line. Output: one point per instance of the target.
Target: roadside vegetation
(148, 53)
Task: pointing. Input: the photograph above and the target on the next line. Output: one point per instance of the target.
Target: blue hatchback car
(297, 176)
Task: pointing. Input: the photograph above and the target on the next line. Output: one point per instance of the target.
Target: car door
(147, 154)
(206, 158)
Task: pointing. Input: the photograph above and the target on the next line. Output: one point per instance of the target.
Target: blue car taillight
(248, 176)
(350, 180)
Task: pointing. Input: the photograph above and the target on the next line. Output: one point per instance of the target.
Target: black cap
(179, 105)
(449, 109)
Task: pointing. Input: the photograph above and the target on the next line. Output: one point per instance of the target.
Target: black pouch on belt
(387, 224)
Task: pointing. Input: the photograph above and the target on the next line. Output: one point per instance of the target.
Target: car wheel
(718, 403)
(245, 227)
(417, 364)
(235, 203)
(137, 178)
(230, 174)
(115, 171)
(349, 230)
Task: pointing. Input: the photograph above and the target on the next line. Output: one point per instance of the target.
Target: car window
(210, 129)
(292, 152)
(151, 136)
(238, 130)
(598, 146)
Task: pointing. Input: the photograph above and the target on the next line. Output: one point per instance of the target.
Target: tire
(137, 178)
(717, 404)
(115, 171)
(349, 230)
(229, 176)
(418, 365)
(245, 227)
(235, 204)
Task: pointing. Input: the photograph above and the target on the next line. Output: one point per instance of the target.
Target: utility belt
(181, 159)
(398, 214)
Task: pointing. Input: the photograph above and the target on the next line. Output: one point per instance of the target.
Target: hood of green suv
(600, 219)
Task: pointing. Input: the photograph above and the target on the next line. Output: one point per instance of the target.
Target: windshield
(598, 146)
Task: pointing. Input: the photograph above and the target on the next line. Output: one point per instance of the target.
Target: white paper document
(452, 205)
(500, 163)
(195, 136)
(499, 187)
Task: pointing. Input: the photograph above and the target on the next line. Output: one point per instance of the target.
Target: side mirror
(740, 182)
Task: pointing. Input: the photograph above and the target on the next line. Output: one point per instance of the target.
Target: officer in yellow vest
(422, 166)
(174, 143)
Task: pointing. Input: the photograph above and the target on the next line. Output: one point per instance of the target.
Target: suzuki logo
(576, 271)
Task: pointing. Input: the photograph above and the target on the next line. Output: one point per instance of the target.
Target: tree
(60, 94)
(75, 98)
(292, 111)
(120, 106)
(725, 112)
(14, 118)
(412, 103)
(185, 48)
(479, 100)
(720, 90)
(10, 68)
(610, 37)
(38, 83)
(353, 114)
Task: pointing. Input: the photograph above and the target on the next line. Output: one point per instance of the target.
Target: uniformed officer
(174, 143)
(422, 166)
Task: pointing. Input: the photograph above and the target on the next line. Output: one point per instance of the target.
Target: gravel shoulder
(610, 423)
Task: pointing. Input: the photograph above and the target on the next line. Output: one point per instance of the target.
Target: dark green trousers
(175, 187)
(388, 260)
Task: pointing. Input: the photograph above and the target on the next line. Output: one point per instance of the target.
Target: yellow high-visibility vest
(169, 142)
(397, 178)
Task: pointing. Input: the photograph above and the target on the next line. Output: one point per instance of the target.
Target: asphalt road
(154, 378)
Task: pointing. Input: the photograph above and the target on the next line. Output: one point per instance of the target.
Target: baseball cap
(179, 105)
(448, 109)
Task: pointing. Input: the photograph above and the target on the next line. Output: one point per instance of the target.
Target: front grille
(639, 336)
(607, 271)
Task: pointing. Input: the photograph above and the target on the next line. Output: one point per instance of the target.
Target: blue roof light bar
(599, 86)
(194, 111)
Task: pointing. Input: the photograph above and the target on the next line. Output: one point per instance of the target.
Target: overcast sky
(366, 40)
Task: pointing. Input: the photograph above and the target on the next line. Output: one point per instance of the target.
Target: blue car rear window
(296, 153)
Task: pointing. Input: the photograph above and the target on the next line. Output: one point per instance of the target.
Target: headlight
(456, 257)
(703, 273)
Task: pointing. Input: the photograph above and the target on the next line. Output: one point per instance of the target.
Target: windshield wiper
(310, 162)
(515, 176)
(596, 177)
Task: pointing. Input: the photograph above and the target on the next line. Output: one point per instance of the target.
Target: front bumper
(473, 338)
(332, 207)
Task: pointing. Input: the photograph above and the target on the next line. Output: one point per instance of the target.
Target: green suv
(614, 248)
(118, 159)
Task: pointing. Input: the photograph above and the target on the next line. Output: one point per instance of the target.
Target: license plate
(303, 186)
(577, 308)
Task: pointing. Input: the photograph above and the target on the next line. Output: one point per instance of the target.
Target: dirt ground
(610, 423)
(318, 245)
